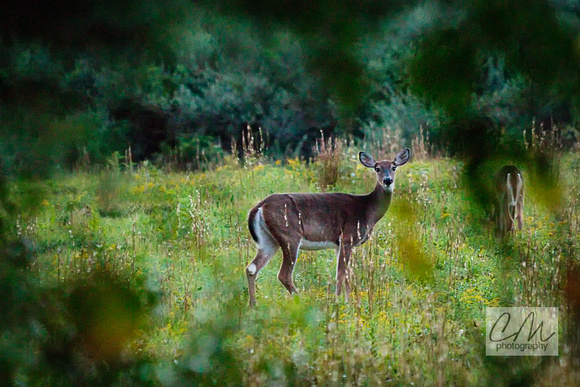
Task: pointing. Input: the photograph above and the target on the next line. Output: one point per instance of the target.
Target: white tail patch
(266, 241)
(510, 200)
(510, 190)
(520, 185)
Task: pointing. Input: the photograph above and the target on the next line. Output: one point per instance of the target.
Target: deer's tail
(252, 223)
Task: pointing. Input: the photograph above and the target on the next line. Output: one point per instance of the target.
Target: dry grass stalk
(329, 152)
(420, 146)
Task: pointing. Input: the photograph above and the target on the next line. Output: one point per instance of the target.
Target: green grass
(420, 285)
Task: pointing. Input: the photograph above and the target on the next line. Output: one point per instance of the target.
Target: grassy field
(180, 242)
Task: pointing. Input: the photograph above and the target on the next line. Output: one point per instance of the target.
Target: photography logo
(520, 331)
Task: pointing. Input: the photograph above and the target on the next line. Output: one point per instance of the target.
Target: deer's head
(385, 169)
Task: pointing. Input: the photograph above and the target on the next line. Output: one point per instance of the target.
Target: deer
(317, 221)
(509, 205)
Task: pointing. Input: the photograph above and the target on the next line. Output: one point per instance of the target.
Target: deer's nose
(388, 181)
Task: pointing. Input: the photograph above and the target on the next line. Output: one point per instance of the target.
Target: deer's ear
(366, 160)
(403, 157)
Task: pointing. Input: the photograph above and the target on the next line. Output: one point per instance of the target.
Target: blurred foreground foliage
(124, 86)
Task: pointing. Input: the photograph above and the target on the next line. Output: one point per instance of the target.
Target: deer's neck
(379, 201)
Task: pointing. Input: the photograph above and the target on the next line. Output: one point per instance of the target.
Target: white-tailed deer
(316, 221)
(509, 206)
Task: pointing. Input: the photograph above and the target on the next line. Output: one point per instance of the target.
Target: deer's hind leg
(503, 216)
(286, 229)
(267, 248)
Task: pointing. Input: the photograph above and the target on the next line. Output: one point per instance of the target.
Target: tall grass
(329, 153)
(420, 285)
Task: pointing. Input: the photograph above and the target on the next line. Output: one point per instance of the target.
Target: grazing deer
(509, 206)
(316, 221)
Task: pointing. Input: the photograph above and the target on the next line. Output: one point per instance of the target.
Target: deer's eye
(394, 168)
(377, 169)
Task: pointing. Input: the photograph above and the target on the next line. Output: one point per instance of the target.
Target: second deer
(315, 221)
(509, 206)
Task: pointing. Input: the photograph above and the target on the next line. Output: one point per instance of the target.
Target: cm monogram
(520, 331)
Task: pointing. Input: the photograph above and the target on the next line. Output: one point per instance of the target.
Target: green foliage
(72, 327)
(84, 339)
(330, 43)
(132, 275)
(530, 35)
(198, 152)
(206, 74)
(444, 70)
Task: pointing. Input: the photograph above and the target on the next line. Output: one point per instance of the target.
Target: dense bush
(220, 74)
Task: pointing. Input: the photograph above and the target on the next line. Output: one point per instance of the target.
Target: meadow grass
(420, 285)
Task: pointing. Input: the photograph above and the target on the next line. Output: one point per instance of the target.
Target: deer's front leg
(342, 270)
